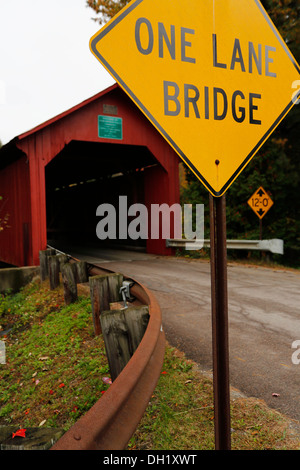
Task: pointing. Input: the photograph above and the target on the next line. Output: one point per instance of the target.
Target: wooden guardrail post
(115, 335)
(69, 282)
(81, 272)
(122, 332)
(44, 255)
(128, 397)
(104, 289)
(137, 319)
(63, 259)
(72, 274)
(54, 269)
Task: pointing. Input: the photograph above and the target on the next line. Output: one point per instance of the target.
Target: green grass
(55, 366)
(180, 415)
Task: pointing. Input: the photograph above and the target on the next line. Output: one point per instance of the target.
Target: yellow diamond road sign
(260, 202)
(213, 76)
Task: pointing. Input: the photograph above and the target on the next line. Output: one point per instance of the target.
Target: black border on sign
(119, 18)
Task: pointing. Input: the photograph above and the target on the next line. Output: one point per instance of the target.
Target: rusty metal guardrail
(112, 420)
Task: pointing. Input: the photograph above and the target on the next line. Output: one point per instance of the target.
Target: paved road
(264, 319)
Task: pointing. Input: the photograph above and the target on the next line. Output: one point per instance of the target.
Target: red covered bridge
(53, 178)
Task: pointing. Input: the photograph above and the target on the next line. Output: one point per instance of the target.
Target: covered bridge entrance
(53, 178)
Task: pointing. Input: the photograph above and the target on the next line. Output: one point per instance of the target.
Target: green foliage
(276, 172)
(286, 16)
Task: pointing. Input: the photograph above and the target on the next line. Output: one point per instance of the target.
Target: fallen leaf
(19, 433)
(42, 423)
(61, 385)
(275, 395)
(44, 358)
(107, 380)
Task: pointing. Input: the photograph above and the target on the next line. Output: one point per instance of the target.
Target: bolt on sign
(214, 77)
(260, 202)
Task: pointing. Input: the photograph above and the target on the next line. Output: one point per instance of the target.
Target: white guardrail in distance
(274, 245)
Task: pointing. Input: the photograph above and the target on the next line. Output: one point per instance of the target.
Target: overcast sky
(46, 66)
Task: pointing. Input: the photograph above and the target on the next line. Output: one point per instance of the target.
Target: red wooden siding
(15, 244)
(80, 123)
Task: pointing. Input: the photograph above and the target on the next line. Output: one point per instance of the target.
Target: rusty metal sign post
(219, 301)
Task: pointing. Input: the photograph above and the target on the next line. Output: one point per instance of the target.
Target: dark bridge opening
(83, 176)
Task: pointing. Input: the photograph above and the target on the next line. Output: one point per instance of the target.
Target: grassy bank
(54, 364)
(55, 368)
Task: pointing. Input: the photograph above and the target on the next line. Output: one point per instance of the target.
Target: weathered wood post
(115, 334)
(54, 268)
(137, 319)
(81, 272)
(43, 255)
(103, 290)
(69, 283)
(123, 331)
(63, 259)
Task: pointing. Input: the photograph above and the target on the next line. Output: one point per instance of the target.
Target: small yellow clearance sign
(213, 76)
(260, 202)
